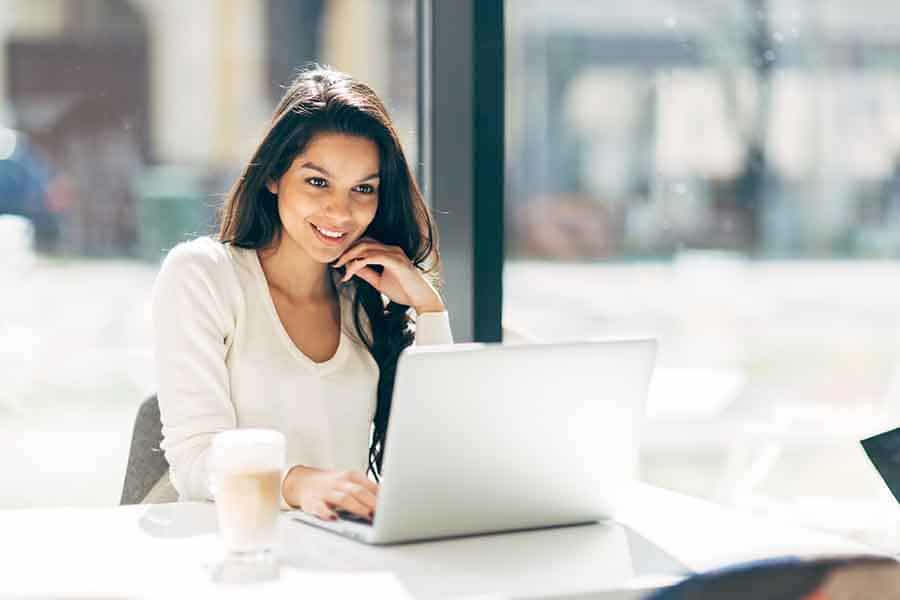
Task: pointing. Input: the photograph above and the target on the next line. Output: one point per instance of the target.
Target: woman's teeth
(331, 234)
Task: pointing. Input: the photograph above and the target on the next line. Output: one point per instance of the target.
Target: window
(120, 130)
(725, 177)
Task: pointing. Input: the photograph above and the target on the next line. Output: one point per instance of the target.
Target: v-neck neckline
(322, 367)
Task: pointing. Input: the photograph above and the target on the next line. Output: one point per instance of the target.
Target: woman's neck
(292, 272)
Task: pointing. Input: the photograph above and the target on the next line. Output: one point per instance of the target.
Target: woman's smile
(330, 237)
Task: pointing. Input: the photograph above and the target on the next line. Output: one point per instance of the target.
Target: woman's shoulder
(202, 269)
(204, 259)
(202, 252)
(208, 256)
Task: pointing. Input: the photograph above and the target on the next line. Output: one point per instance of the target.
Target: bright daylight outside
(721, 174)
(120, 130)
(724, 176)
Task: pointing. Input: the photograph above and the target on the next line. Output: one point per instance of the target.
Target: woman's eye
(365, 188)
(317, 182)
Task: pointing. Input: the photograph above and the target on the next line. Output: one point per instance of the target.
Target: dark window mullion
(464, 96)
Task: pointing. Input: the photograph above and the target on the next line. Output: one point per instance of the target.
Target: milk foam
(247, 450)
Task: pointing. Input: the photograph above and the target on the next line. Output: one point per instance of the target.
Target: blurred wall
(208, 89)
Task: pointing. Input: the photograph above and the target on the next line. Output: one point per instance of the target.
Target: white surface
(170, 550)
(163, 551)
(693, 393)
(703, 535)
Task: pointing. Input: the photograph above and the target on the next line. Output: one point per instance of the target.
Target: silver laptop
(486, 438)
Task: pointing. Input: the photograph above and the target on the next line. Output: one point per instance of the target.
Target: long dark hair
(321, 100)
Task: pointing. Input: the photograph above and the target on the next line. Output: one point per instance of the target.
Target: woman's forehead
(341, 155)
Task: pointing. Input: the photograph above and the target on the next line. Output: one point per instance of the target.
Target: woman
(293, 319)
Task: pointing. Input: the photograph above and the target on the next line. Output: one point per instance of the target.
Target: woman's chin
(317, 251)
(324, 258)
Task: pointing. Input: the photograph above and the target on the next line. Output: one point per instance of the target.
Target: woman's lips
(330, 241)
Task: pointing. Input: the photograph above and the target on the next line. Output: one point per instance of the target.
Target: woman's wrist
(293, 484)
(432, 305)
(430, 308)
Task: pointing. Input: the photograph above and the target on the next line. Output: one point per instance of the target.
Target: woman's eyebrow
(315, 167)
(323, 171)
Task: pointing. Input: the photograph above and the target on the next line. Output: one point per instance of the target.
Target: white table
(169, 550)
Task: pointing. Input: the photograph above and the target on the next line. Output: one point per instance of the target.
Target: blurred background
(721, 174)
(122, 125)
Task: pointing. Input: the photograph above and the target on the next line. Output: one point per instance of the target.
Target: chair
(146, 462)
(832, 578)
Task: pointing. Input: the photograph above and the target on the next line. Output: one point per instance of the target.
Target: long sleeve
(433, 329)
(192, 324)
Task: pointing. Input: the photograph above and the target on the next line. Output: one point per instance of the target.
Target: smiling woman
(253, 329)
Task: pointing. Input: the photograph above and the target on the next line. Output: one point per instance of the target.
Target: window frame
(461, 148)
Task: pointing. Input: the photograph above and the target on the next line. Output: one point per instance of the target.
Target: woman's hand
(323, 493)
(400, 280)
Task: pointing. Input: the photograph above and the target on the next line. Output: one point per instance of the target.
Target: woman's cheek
(292, 208)
(370, 213)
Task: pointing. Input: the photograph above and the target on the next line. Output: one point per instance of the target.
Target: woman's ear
(272, 186)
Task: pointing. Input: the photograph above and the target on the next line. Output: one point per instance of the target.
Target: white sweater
(224, 360)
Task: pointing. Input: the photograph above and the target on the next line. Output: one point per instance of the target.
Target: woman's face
(329, 194)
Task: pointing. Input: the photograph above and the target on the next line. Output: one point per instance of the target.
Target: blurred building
(110, 87)
(769, 127)
(766, 126)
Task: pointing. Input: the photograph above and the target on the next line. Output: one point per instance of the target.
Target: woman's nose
(337, 206)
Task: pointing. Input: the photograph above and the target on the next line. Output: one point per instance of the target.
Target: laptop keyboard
(345, 515)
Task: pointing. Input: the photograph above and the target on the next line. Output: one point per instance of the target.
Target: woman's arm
(191, 326)
(433, 328)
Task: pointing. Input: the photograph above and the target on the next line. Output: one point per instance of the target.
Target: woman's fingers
(348, 501)
(355, 252)
(358, 492)
(359, 478)
(364, 248)
(363, 495)
(370, 276)
(353, 268)
(327, 492)
(325, 513)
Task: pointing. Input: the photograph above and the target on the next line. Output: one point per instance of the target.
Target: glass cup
(246, 466)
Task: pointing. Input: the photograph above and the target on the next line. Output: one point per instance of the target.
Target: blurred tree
(754, 177)
(743, 42)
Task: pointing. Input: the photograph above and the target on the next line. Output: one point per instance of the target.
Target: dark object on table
(884, 452)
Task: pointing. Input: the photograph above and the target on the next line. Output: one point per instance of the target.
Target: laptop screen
(884, 452)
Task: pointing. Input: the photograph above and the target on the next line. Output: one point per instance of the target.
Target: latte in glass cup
(246, 467)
